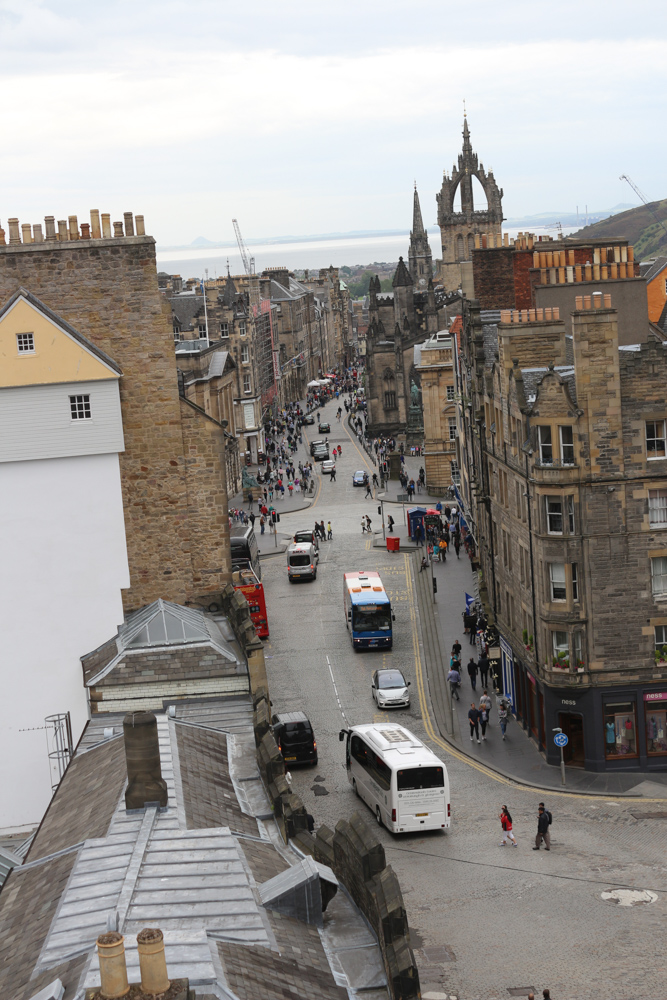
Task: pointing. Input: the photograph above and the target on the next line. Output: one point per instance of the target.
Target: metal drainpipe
(532, 565)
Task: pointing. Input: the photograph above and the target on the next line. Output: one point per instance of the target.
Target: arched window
(471, 245)
(460, 251)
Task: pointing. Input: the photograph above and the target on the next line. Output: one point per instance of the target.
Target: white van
(398, 777)
(302, 561)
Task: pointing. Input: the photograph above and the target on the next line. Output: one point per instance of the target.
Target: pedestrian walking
(369, 491)
(542, 830)
(329, 531)
(485, 702)
(363, 524)
(251, 518)
(483, 719)
(368, 524)
(454, 679)
(456, 649)
(333, 474)
(376, 481)
(457, 545)
(323, 531)
(506, 823)
(262, 523)
(473, 719)
(483, 665)
(424, 564)
(472, 673)
(503, 717)
(390, 524)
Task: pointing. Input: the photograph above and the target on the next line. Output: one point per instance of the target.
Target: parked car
(360, 478)
(328, 467)
(316, 444)
(295, 738)
(308, 537)
(324, 428)
(321, 453)
(390, 689)
(308, 419)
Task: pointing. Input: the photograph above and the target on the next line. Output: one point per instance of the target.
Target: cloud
(166, 108)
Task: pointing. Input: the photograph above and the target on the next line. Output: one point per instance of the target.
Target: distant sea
(312, 253)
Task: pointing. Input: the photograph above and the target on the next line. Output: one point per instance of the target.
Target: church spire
(466, 135)
(417, 223)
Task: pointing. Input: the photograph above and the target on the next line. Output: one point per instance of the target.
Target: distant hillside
(638, 226)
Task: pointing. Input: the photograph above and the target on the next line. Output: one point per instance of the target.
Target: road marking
(333, 681)
(362, 456)
(428, 724)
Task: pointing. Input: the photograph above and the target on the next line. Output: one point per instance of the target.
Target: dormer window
(25, 343)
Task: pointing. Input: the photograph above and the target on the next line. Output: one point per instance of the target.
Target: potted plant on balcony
(661, 655)
(581, 666)
(527, 640)
(561, 661)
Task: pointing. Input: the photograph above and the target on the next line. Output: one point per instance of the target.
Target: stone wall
(357, 857)
(107, 290)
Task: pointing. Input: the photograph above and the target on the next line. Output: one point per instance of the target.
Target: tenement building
(564, 446)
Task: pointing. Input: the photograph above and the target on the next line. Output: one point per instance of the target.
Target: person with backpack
(506, 823)
(542, 829)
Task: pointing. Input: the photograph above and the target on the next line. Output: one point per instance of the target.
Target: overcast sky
(309, 117)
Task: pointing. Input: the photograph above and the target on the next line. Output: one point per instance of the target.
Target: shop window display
(620, 730)
(656, 729)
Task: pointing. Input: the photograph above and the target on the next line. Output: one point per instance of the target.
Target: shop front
(524, 692)
(618, 729)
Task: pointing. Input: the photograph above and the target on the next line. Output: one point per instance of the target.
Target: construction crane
(624, 177)
(248, 261)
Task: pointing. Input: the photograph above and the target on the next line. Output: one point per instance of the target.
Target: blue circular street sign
(561, 740)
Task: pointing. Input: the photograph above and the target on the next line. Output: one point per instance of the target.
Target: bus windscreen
(419, 777)
(371, 618)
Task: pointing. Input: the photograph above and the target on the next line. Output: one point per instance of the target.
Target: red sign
(655, 696)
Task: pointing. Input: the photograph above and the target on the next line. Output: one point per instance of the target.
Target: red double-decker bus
(245, 580)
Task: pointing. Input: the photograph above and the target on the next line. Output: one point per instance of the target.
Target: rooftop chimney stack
(106, 225)
(50, 226)
(129, 223)
(113, 968)
(152, 962)
(95, 231)
(142, 754)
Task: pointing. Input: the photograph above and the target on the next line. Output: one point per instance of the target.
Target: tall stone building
(420, 258)
(458, 229)
(172, 469)
(436, 370)
(564, 443)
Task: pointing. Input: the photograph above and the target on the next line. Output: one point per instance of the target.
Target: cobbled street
(484, 920)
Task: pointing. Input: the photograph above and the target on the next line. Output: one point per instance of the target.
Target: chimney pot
(539, 315)
(624, 254)
(106, 226)
(117, 229)
(623, 269)
(139, 223)
(95, 230)
(3, 241)
(38, 236)
(85, 231)
(556, 312)
(50, 226)
(587, 302)
(62, 230)
(113, 968)
(152, 962)
(142, 755)
(73, 227)
(26, 229)
(607, 300)
(579, 302)
(129, 223)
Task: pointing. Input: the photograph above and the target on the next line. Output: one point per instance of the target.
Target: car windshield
(359, 475)
(303, 536)
(372, 618)
(390, 679)
(419, 777)
(296, 732)
(299, 559)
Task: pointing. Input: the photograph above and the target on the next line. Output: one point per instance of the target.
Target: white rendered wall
(63, 562)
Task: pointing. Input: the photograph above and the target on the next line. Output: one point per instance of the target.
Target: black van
(243, 543)
(294, 735)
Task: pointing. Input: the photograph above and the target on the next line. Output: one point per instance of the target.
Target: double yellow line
(437, 739)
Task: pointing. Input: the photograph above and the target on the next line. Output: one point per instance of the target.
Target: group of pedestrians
(325, 534)
(544, 821)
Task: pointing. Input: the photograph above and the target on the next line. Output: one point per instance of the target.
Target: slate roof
(532, 379)
(186, 308)
(181, 869)
(652, 268)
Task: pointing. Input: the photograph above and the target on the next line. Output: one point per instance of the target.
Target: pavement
(485, 922)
